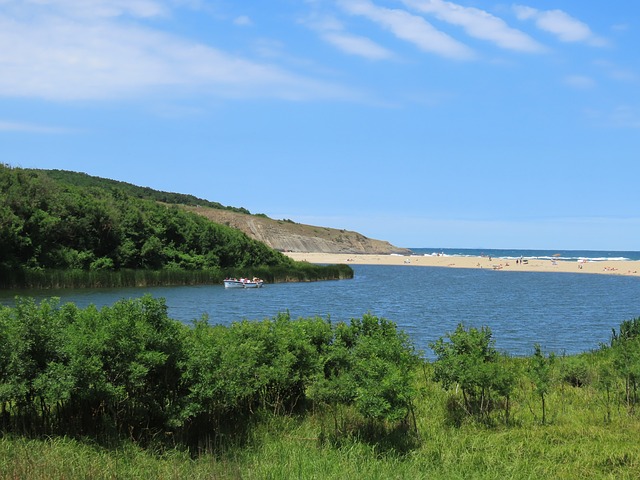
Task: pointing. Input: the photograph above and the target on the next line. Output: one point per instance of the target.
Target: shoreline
(604, 267)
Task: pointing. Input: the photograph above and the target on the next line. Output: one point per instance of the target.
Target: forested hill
(283, 235)
(83, 180)
(50, 221)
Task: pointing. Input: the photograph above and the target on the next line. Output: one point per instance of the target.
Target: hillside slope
(289, 236)
(280, 235)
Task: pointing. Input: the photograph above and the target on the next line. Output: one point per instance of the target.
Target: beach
(605, 267)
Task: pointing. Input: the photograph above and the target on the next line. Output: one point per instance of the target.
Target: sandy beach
(608, 267)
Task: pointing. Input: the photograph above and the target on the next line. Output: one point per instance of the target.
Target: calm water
(563, 312)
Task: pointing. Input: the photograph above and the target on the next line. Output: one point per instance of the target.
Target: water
(564, 312)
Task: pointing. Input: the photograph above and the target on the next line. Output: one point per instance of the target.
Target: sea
(566, 313)
(512, 254)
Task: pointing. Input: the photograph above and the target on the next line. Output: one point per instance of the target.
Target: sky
(426, 123)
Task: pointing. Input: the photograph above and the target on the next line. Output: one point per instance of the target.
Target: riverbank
(608, 267)
(76, 278)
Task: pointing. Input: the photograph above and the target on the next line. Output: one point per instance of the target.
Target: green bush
(468, 358)
(130, 371)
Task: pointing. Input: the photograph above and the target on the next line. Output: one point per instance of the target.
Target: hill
(79, 179)
(55, 224)
(289, 236)
(282, 235)
(59, 232)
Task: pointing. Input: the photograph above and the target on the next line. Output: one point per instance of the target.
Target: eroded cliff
(285, 235)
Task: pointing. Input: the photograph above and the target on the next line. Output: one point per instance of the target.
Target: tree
(469, 359)
(369, 364)
(541, 375)
(384, 361)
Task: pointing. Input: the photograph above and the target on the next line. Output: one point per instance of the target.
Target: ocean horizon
(511, 254)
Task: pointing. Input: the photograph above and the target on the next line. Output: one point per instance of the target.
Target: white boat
(243, 283)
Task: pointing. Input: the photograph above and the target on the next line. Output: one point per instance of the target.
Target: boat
(233, 283)
(243, 283)
(253, 283)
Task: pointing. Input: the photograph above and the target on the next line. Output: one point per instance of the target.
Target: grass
(576, 443)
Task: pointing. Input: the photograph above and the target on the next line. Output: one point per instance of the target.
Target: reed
(49, 278)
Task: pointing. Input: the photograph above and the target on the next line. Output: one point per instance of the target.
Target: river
(564, 312)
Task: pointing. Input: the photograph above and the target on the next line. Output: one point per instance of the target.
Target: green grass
(576, 443)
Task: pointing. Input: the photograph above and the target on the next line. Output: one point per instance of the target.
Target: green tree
(468, 358)
(369, 364)
(540, 371)
(384, 361)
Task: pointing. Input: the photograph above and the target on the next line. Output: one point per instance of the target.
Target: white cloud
(411, 28)
(478, 24)
(243, 21)
(622, 116)
(617, 73)
(6, 126)
(565, 27)
(55, 52)
(626, 116)
(91, 8)
(332, 31)
(357, 45)
(580, 82)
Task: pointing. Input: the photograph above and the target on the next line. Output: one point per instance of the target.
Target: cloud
(478, 24)
(332, 31)
(357, 45)
(562, 25)
(580, 82)
(411, 28)
(617, 73)
(622, 117)
(243, 21)
(90, 9)
(6, 126)
(626, 116)
(63, 50)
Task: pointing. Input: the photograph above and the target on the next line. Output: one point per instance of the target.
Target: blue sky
(474, 124)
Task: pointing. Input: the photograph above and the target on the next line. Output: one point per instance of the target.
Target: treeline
(129, 371)
(52, 233)
(83, 180)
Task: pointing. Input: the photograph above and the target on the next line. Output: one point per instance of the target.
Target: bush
(468, 358)
(130, 371)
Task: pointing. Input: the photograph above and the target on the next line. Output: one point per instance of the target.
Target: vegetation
(128, 371)
(88, 181)
(469, 359)
(53, 233)
(125, 392)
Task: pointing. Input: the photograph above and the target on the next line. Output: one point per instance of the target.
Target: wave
(511, 254)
